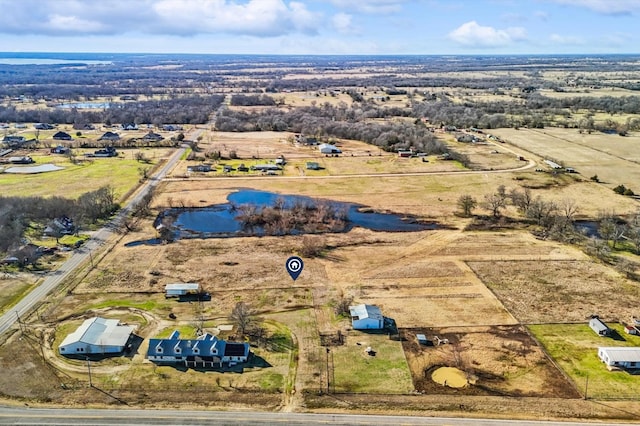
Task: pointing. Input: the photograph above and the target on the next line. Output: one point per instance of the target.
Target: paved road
(80, 256)
(48, 416)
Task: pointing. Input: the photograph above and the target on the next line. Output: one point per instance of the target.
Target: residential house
(97, 336)
(620, 357)
(109, 136)
(60, 150)
(205, 351)
(60, 226)
(44, 126)
(153, 137)
(21, 160)
(171, 127)
(366, 317)
(266, 167)
(62, 136)
(106, 152)
(599, 326)
(129, 126)
(203, 168)
(13, 140)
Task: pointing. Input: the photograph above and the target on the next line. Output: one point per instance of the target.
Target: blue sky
(321, 26)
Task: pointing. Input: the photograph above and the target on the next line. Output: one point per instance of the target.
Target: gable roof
(622, 354)
(365, 311)
(205, 345)
(110, 136)
(100, 331)
(62, 135)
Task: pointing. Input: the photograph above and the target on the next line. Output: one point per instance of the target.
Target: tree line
(194, 109)
(19, 214)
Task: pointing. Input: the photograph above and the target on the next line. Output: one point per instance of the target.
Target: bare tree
(494, 203)
(466, 203)
(242, 316)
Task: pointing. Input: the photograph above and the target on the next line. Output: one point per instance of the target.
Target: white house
(97, 336)
(366, 317)
(326, 148)
(620, 357)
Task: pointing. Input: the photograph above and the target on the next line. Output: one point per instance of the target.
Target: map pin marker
(294, 267)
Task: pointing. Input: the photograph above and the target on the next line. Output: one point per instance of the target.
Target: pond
(229, 219)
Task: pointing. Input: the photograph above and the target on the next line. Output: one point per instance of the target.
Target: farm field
(503, 303)
(614, 159)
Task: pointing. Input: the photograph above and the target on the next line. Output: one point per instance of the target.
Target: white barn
(366, 317)
(620, 357)
(326, 148)
(181, 289)
(97, 336)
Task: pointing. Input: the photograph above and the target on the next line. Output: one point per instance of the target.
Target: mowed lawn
(356, 371)
(75, 180)
(575, 348)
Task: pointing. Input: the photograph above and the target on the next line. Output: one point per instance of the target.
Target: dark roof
(234, 349)
(62, 135)
(205, 345)
(110, 135)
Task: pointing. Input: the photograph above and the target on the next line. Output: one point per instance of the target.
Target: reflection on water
(222, 220)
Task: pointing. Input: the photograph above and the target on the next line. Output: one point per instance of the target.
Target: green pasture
(353, 370)
(575, 348)
(76, 179)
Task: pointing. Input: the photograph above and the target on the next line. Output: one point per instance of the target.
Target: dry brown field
(496, 360)
(613, 158)
(556, 291)
(474, 288)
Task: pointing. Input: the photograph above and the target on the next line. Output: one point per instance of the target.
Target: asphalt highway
(56, 416)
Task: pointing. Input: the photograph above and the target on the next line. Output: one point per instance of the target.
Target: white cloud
(371, 6)
(609, 7)
(342, 23)
(173, 17)
(471, 34)
(566, 40)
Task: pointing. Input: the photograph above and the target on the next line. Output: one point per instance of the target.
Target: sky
(363, 27)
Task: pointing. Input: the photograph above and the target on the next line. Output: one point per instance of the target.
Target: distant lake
(45, 61)
(85, 105)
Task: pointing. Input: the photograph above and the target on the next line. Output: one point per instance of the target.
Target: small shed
(312, 165)
(630, 329)
(599, 326)
(366, 317)
(181, 289)
(620, 357)
(422, 339)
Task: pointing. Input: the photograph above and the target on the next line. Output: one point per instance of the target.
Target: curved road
(125, 417)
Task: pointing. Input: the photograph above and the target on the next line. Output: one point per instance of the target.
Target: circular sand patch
(450, 376)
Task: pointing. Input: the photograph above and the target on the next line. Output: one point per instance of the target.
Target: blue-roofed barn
(366, 317)
(97, 336)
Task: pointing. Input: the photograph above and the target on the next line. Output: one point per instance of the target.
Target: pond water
(221, 220)
(86, 105)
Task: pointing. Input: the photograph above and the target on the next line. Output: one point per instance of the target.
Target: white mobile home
(620, 357)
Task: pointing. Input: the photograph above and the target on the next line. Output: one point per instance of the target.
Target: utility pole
(89, 369)
(328, 381)
(586, 387)
(19, 322)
